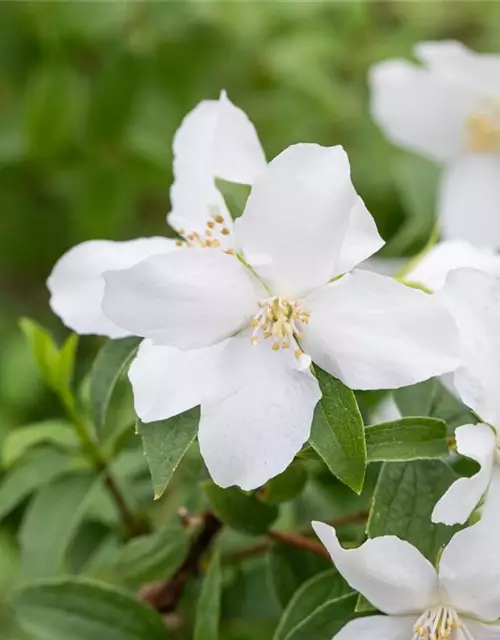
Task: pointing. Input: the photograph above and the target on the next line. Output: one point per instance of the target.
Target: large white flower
(473, 298)
(250, 324)
(215, 140)
(449, 111)
(458, 601)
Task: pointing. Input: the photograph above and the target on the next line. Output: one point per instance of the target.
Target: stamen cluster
(483, 130)
(280, 319)
(209, 238)
(436, 624)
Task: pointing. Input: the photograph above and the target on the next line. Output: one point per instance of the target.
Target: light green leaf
(337, 432)
(239, 510)
(152, 557)
(30, 474)
(287, 485)
(326, 620)
(18, 442)
(77, 609)
(404, 499)
(67, 360)
(407, 439)
(50, 523)
(208, 608)
(165, 442)
(313, 593)
(108, 365)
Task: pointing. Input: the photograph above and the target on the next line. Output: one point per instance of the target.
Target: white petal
(453, 60)
(362, 239)
(469, 201)
(420, 110)
(293, 227)
(473, 298)
(259, 416)
(189, 299)
(372, 332)
(480, 631)
(477, 442)
(432, 269)
(378, 628)
(167, 381)
(391, 573)
(469, 572)
(490, 514)
(76, 283)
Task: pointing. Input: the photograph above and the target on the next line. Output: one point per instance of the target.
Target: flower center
(281, 320)
(212, 236)
(437, 623)
(483, 129)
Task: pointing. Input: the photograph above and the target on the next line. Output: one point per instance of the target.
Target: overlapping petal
(296, 219)
(76, 283)
(477, 442)
(480, 631)
(188, 299)
(373, 333)
(378, 628)
(259, 414)
(469, 200)
(469, 572)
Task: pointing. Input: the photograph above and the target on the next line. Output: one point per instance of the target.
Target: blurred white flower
(215, 140)
(250, 324)
(473, 298)
(458, 601)
(449, 111)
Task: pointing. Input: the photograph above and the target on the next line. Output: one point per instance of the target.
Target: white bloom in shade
(216, 139)
(473, 298)
(257, 319)
(458, 601)
(449, 111)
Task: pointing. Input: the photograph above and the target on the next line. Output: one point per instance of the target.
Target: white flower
(216, 139)
(458, 601)
(250, 324)
(449, 111)
(473, 298)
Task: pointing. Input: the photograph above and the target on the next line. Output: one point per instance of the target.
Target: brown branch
(165, 595)
(299, 541)
(135, 526)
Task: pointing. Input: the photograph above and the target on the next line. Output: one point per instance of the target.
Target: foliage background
(92, 93)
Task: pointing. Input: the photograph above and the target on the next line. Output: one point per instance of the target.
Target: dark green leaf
(337, 432)
(403, 502)
(326, 620)
(313, 593)
(208, 609)
(407, 439)
(165, 442)
(50, 523)
(79, 609)
(287, 485)
(108, 365)
(239, 510)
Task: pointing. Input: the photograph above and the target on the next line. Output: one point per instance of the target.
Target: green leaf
(208, 608)
(337, 432)
(152, 557)
(32, 473)
(77, 609)
(313, 593)
(239, 510)
(21, 440)
(326, 620)
(67, 360)
(50, 523)
(108, 365)
(290, 568)
(404, 499)
(165, 442)
(407, 439)
(235, 196)
(287, 485)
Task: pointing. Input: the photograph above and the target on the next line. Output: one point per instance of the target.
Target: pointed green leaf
(45, 351)
(165, 442)
(337, 432)
(208, 609)
(108, 365)
(77, 609)
(287, 485)
(406, 439)
(239, 510)
(326, 620)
